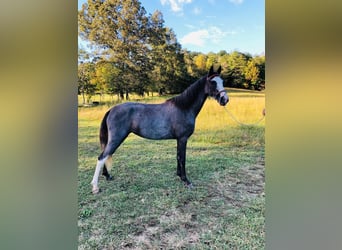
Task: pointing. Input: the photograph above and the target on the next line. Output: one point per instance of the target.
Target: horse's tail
(104, 131)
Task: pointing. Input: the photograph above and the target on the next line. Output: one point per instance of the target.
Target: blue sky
(214, 25)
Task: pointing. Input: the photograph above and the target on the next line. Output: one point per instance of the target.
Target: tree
(86, 86)
(251, 74)
(83, 55)
(133, 52)
(260, 64)
(119, 29)
(106, 75)
(233, 68)
(201, 63)
(166, 56)
(158, 43)
(189, 63)
(211, 59)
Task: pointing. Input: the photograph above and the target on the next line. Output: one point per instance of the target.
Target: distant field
(147, 207)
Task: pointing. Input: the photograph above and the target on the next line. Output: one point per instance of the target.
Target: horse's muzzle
(222, 98)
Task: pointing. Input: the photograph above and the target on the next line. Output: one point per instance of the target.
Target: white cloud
(217, 35)
(236, 1)
(202, 37)
(197, 38)
(176, 5)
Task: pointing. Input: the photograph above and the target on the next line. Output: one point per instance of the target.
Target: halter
(211, 77)
(221, 91)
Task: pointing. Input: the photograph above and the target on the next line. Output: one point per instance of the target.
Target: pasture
(146, 206)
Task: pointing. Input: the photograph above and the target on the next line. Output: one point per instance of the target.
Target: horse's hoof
(96, 190)
(189, 185)
(109, 178)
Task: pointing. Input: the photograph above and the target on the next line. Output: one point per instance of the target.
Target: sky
(213, 25)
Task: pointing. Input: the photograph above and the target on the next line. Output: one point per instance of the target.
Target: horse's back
(135, 110)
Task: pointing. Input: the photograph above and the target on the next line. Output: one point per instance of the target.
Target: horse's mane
(188, 96)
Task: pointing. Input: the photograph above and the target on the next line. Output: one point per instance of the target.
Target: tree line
(132, 52)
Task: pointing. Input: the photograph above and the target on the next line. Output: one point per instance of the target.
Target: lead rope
(241, 123)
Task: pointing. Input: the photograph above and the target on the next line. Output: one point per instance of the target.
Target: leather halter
(221, 91)
(211, 77)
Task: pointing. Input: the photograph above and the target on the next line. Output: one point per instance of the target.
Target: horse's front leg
(181, 156)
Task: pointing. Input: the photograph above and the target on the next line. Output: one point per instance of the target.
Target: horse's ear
(211, 70)
(219, 70)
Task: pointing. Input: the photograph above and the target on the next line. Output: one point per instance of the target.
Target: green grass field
(146, 206)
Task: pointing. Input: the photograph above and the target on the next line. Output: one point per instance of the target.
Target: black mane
(188, 96)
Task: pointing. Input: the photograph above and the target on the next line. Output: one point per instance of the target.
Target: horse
(173, 119)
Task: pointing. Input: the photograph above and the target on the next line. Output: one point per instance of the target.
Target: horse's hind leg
(99, 166)
(107, 166)
(103, 159)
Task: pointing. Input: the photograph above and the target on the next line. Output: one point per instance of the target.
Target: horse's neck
(199, 103)
(193, 98)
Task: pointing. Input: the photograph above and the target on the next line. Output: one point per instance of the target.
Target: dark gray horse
(173, 119)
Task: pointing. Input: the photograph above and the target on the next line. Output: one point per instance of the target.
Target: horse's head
(215, 86)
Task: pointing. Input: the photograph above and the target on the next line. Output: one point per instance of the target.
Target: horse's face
(217, 90)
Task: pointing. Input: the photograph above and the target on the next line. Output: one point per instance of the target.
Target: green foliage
(211, 60)
(120, 30)
(251, 74)
(86, 86)
(200, 62)
(260, 63)
(166, 57)
(83, 55)
(133, 52)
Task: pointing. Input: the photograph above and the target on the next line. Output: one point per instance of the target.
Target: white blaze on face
(219, 83)
(220, 89)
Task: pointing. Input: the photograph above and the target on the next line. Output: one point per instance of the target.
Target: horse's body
(173, 119)
(151, 121)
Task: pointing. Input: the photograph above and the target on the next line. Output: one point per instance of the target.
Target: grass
(147, 207)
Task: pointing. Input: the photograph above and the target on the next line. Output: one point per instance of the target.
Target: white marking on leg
(94, 182)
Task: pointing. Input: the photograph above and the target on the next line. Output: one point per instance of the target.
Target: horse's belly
(152, 128)
(154, 132)
(156, 136)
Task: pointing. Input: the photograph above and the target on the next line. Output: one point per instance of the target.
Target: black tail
(103, 142)
(104, 131)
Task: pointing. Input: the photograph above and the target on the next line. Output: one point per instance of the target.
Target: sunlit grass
(245, 105)
(247, 110)
(147, 207)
